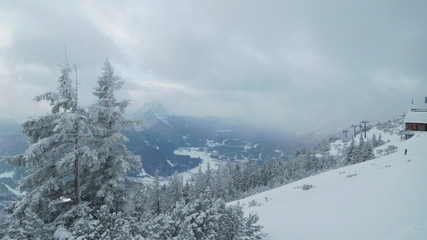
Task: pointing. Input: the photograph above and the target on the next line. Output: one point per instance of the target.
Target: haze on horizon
(299, 66)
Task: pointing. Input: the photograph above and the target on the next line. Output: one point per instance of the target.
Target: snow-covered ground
(186, 151)
(14, 191)
(9, 174)
(389, 135)
(196, 153)
(384, 198)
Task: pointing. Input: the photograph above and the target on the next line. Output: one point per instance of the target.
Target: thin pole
(345, 131)
(77, 85)
(66, 56)
(77, 160)
(364, 123)
(354, 129)
(77, 167)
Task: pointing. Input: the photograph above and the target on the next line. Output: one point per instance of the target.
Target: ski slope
(385, 198)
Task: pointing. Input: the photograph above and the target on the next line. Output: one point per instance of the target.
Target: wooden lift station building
(415, 120)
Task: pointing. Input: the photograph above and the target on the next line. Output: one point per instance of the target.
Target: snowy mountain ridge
(151, 113)
(162, 133)
(172, 144)
(383, 198)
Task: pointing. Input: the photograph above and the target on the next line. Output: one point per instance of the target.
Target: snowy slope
(385, 198)
(389, 132)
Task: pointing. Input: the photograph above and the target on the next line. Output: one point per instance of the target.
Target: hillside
(167, 143)
(384, 198)
(164, 139)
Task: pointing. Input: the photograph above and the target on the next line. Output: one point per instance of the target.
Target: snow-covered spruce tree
(237, 177)
(200, 182)
(369, 151)
(350, 153)
(220, 183)
(50, 162)
(174, 191)
(155, 198)
(106, 208)
(360, 150)
(267, 173)
(107, 180)
(374, 140)
(311, 164)
(250, 174)
(380, 141)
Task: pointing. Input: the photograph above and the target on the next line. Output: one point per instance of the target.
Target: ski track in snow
(384, 198)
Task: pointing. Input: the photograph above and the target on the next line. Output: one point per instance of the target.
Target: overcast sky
(301, 66)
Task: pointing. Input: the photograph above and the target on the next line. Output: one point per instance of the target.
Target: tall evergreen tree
(369, 151)
(155, 200)
(50, 158)
(250, 174)
(360, 150)
(374, 140)
(200, 183)
(350, 153)
(108, 177)
(174, 190)
(237, 177)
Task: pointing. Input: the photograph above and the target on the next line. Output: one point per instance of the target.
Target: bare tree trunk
(77, 168)
(77, 160)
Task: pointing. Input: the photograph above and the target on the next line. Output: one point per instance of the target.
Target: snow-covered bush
(351, 175)
(390, 149)
(306, 187)
(254, 203)
(62, 234)
(203, 218)
(103, 224)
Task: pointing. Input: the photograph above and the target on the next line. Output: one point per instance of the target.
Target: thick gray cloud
(296, 65)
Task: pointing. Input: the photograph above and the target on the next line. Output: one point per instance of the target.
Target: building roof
(416, 116)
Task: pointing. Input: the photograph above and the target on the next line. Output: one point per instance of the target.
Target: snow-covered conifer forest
(79, 182)
(213, 120)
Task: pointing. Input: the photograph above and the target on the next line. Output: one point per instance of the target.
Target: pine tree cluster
(363, 151)
(79, 185)
(232, 181)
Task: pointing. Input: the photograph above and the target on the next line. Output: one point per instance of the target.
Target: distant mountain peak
(151, 113)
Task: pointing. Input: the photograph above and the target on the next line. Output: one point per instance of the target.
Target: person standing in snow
(406, 151)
